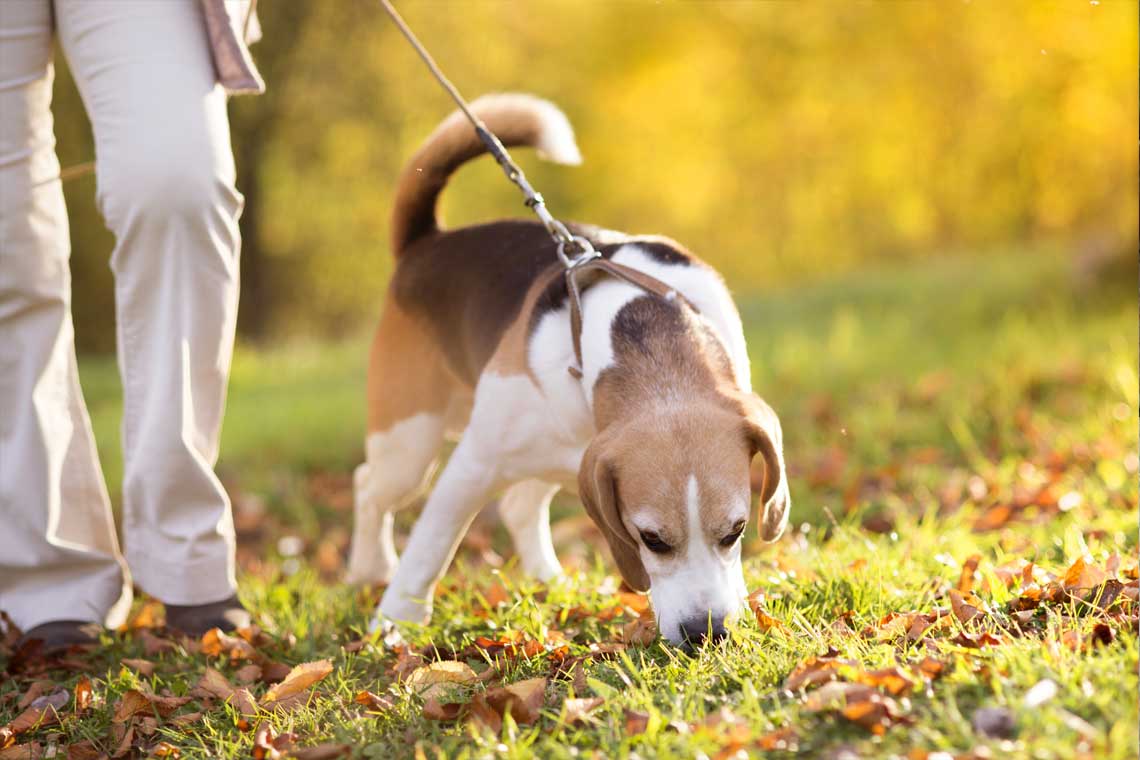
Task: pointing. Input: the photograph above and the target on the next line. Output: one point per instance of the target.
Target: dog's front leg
(464, 486)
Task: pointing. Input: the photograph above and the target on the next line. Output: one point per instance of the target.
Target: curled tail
(515, 118)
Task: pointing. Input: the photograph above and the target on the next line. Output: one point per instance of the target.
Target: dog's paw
(387, 631)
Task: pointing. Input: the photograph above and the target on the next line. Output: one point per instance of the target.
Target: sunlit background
(782, 142)
(927, 212)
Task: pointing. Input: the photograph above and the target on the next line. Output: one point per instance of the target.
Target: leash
(576, 254)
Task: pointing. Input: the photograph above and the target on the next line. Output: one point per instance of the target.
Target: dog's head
(670, 491)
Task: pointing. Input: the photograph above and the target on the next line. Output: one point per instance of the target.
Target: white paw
(543, 571)
(390, 635)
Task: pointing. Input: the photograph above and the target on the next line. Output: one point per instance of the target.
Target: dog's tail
(515, 119)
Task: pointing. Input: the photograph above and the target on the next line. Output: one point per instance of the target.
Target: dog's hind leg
(408, 393)
(525, 510)
(399, 465)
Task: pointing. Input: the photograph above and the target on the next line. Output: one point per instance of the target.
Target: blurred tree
(779, 141)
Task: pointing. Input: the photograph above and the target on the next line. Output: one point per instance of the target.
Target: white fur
(698, 580)
(397, 467)
(525, 509)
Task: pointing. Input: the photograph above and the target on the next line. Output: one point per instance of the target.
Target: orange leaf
(300, 678)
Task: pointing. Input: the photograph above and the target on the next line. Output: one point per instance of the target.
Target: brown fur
(407, 374)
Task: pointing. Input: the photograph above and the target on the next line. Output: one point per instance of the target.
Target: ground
(959, 575)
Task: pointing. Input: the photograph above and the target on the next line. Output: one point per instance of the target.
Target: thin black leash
(576, 253)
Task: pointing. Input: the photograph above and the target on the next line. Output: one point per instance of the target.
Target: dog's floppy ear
(597, 485)
(762, 428)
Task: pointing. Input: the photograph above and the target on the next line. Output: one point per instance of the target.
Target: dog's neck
(666, 359)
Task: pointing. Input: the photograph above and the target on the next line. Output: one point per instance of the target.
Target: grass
(916, 404)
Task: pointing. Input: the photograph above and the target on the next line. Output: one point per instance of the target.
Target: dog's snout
(695, 631)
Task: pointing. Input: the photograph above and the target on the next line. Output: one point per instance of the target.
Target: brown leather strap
(600, 266)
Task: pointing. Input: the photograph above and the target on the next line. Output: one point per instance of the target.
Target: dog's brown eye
(734, 536)
(654, 543)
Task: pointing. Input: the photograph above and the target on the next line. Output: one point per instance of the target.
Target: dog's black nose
(695, 631)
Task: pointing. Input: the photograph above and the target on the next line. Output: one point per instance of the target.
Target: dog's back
(467, 285)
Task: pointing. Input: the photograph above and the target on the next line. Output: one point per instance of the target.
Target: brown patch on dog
(407, 373)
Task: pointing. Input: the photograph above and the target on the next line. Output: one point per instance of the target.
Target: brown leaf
(248, 674)
(966, 579)
(150, 615)
(320, 752)
(144, 668)
(164, 749)
(216, 643)
(134, 702)
(434, 710)
(42, 711)
(636, 722)
(84, 695)
(28, 751)
(272, 672)
(155, 645)
(125, 742)
(480, 711)
(244, 702)
(816, 671)
(37, 689)
(524, 700)
(993, 518)
(300, 678)
(891, 680)
(963, 610)
(185, 719)
(578, 708)
(84, 750)
(641, 632)
(374, 702)
(215, 684)
(781, 739)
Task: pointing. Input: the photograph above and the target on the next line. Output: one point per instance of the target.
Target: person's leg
(59, 558)
(165, 176)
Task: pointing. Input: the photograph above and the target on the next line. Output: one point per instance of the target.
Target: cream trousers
(165, 179)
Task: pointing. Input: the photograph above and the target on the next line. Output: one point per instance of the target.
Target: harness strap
(600, 266)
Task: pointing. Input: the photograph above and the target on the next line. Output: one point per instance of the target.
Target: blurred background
(781, 142)
(927, 211)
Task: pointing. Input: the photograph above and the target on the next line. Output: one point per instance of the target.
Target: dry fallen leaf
(37, 689)
(164, 749)
(636, 722)
(434, 680)
(42, 711)
(216, 643)
(523, 700)
(134, 702)
(215, 684)
(434, 710)
(641, 632)
(248, 674)
(84, 695)
(373, 702)
(320, 752)
(144, 668)
(784, 739)
(300, 678)
(84, 750)
(480, 711)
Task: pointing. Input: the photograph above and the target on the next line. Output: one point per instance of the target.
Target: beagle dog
(656, 431)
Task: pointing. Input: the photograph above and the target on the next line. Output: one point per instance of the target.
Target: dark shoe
(59, 635)
(196, 619)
